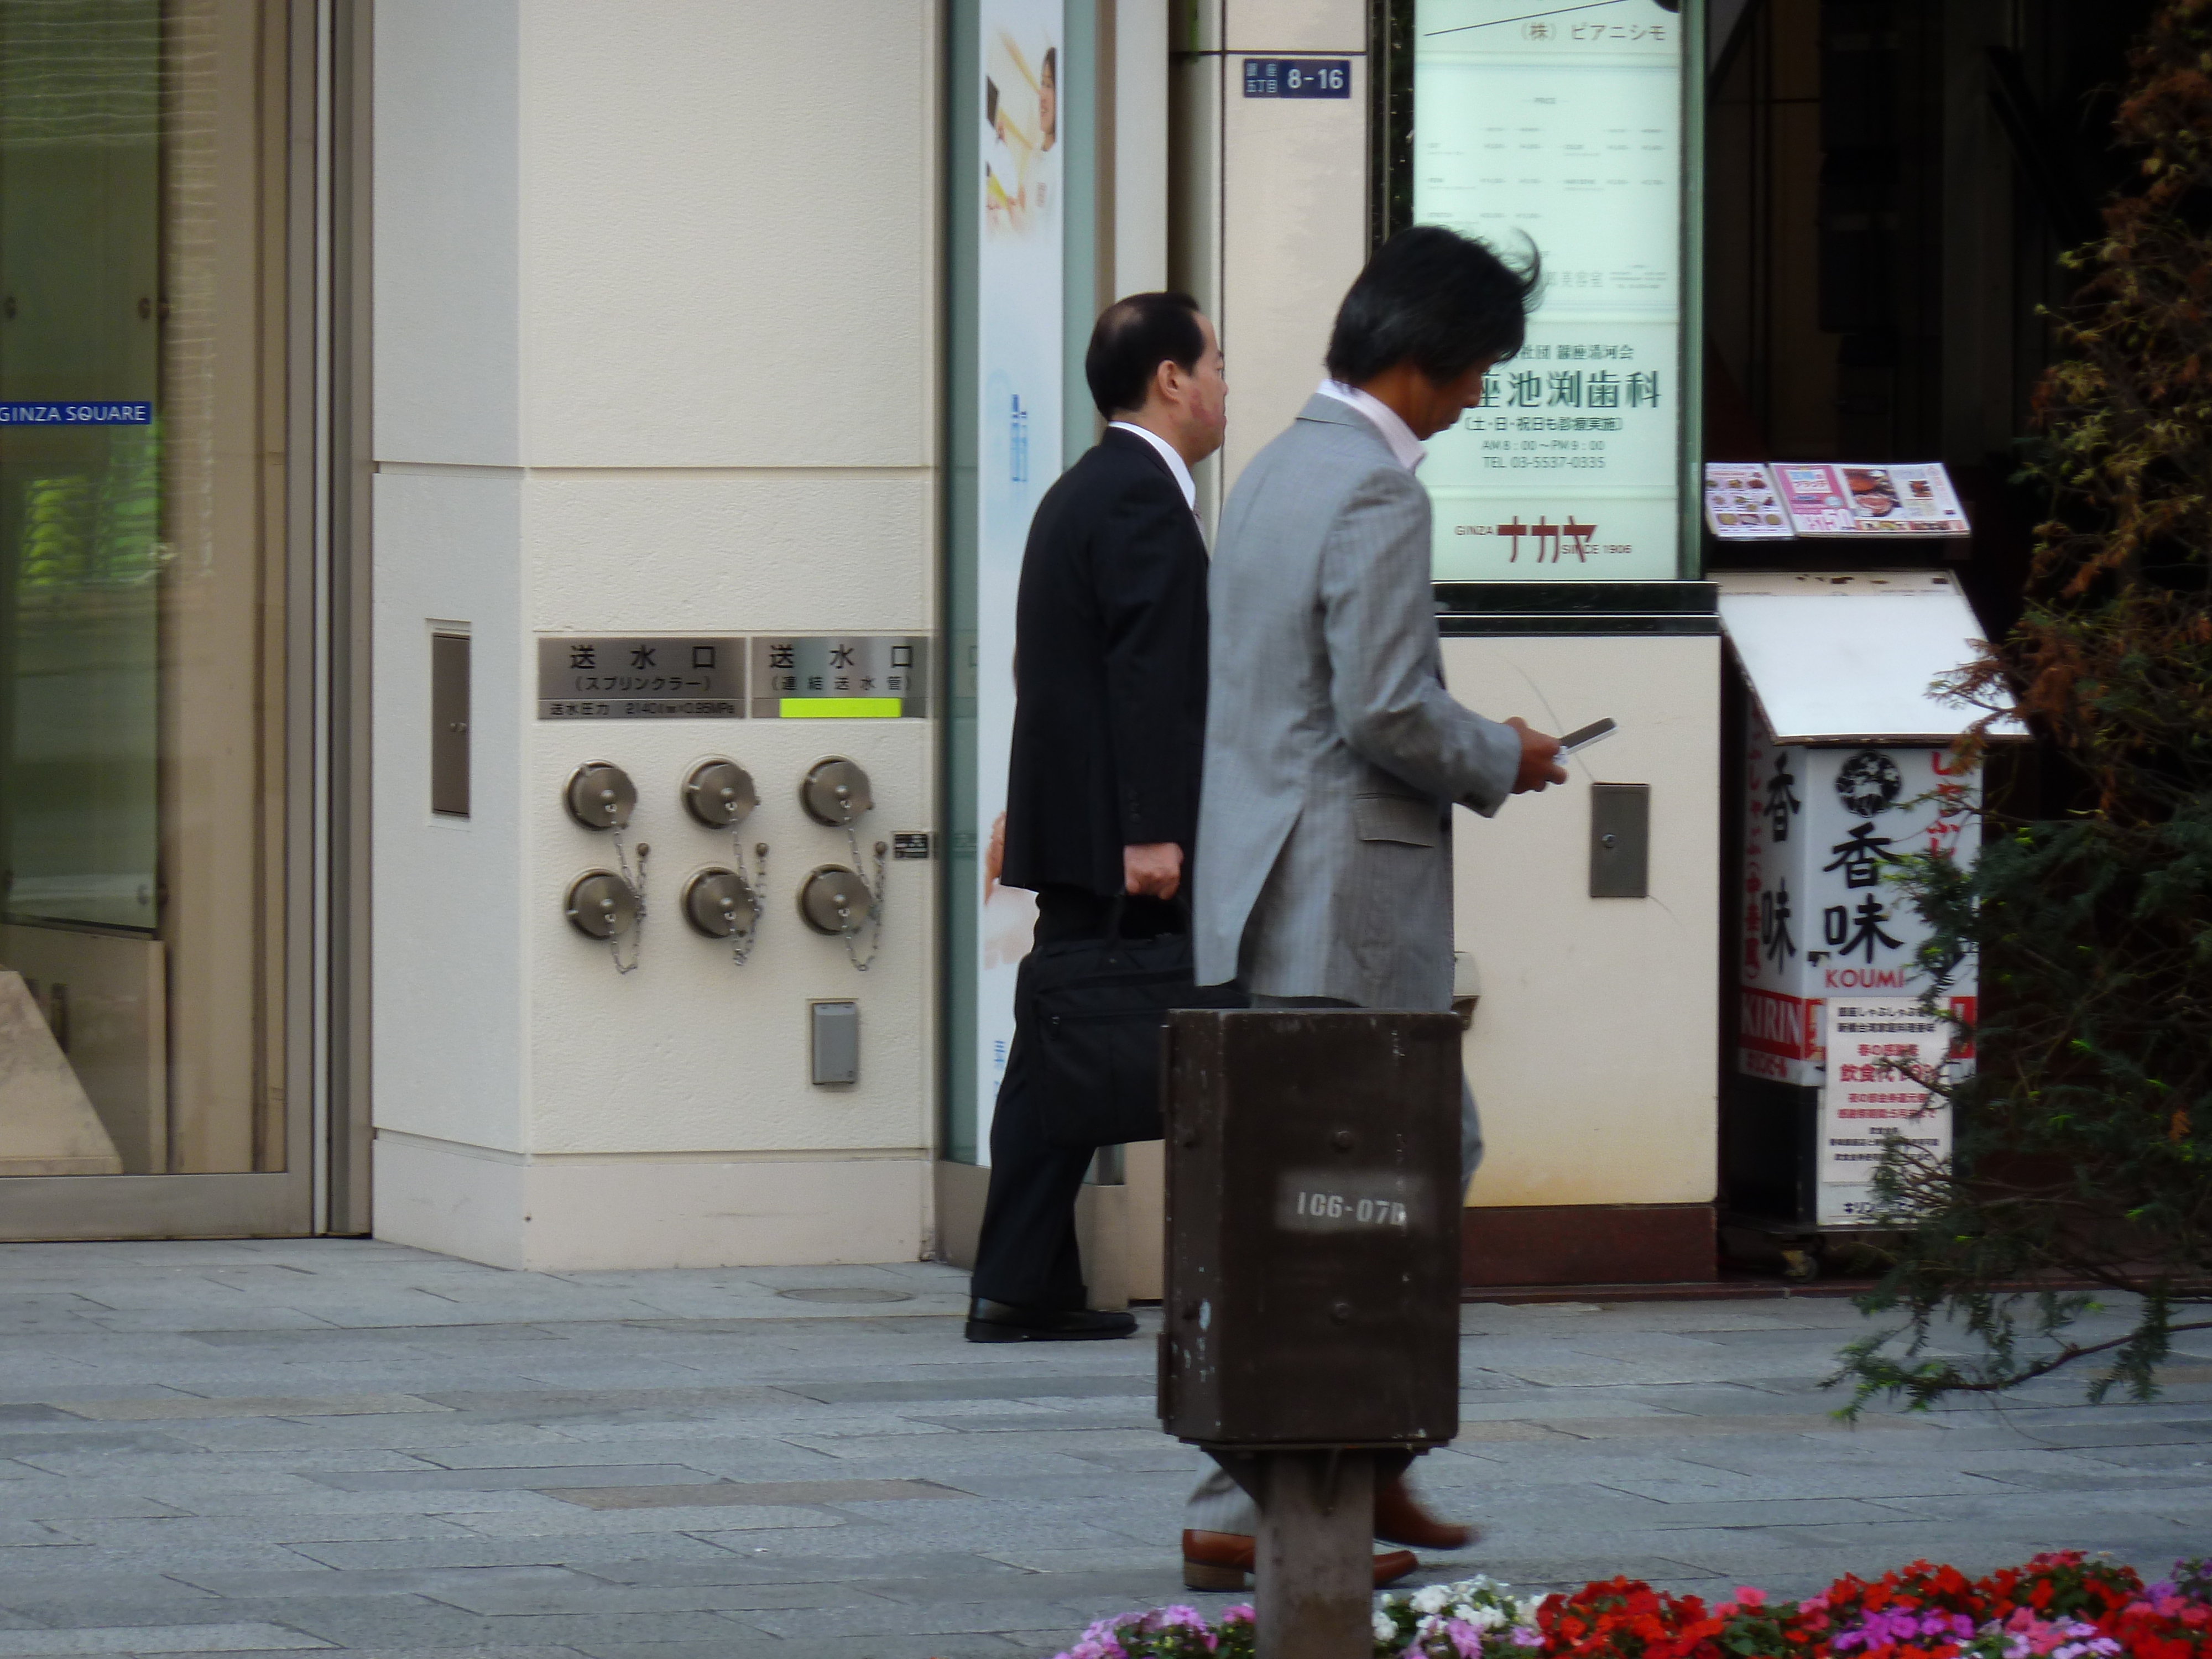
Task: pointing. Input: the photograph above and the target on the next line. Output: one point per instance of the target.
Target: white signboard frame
(1019, 379)
(1564, 132)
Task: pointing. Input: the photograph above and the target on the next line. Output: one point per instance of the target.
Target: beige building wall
(1593, 1048)
(658, 354)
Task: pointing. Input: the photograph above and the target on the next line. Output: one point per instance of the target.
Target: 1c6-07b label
(1340, 1201)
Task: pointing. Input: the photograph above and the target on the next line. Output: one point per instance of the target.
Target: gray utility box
(1313, 1214)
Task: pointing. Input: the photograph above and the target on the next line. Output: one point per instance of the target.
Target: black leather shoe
(1001, 1321)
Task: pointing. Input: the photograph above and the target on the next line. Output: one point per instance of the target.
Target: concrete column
(656, 298)
(1269, 206)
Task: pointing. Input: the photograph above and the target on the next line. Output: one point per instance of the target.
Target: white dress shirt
(1183, 478)
(1395, 433)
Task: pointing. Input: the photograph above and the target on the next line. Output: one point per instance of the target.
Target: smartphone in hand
(1583, 737)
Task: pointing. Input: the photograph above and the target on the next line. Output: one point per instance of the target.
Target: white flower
(1484, 1617)
(1435, 1599)
(1386, 1627)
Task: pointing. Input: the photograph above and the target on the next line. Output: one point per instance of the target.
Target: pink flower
(1465, 1639)
(2027, 1636)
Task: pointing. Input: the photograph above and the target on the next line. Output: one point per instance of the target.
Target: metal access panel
(449, 725)
(836, 1033)
(1313, 1212)
(1620, 841)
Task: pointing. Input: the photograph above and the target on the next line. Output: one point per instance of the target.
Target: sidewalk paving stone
(176, 1638)
(295, 1446)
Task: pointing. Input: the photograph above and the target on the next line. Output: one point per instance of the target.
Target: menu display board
(1560, 132)
(1743, 505)
(1748, 501)
(1870, 501)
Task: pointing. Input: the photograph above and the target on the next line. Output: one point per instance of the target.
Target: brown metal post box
(1313, 1213)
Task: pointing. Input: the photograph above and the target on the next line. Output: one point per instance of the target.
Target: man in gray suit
(1333, 754)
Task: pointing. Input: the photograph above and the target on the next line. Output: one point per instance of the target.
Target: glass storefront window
(141, 470)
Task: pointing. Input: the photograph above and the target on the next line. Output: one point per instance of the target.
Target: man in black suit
(1110, 725)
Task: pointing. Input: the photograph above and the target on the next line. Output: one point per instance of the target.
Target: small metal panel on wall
(733, 676)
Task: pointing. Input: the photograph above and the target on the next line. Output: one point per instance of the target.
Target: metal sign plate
(841, 676)
(76, 414)
(1298, 77)
(663, 678)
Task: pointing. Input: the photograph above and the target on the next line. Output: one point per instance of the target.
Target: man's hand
(1539, 765)
(1154, 869)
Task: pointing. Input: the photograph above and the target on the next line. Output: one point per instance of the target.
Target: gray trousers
(1217, 1502)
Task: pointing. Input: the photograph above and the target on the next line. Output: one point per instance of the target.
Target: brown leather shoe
(1223, 1561)
(1399, 1519)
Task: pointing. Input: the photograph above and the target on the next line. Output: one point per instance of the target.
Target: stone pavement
(275, 1447)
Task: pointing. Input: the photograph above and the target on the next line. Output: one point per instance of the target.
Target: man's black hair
(1133, 338)
(1434, 296)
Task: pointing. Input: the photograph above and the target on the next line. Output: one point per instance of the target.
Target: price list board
(1561, 131)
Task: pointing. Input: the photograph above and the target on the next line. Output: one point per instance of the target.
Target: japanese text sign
(1819, 916)
(841, 676)
(642, 677)
(1561, 133)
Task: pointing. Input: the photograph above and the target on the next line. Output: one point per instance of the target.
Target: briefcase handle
(1181, 900)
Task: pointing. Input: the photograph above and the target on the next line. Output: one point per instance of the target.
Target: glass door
(145, 800)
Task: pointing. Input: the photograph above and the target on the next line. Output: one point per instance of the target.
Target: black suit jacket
(1109, 672)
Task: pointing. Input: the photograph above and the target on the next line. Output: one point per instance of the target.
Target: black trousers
(1026, 1254)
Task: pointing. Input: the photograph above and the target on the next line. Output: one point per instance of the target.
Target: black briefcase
(1094, 1010)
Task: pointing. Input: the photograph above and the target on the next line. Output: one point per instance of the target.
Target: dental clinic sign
(1561, 131)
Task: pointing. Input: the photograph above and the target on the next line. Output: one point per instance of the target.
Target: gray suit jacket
(1333, 751)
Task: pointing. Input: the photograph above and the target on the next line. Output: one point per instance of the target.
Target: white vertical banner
(1883, 1055)
(1827, 969)
(1019, 386)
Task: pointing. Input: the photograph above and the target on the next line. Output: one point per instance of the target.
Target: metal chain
(875, 904)
(637, 884)
(741, 949)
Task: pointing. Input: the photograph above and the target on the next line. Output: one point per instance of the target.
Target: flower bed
(2065, 1606)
